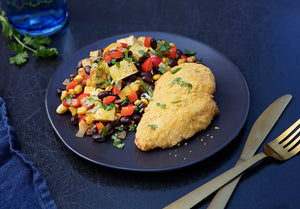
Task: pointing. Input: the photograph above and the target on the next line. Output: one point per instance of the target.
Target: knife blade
(259, 131)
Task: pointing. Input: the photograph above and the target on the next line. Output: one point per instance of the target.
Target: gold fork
(282, 148)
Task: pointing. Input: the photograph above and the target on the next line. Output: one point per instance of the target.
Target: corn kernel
(165, 60)
(134, 87)
(78, 89)
(89, 119)
(156, 77)
(145, 100)
(81, 110)
(63, 95)
(180, 61)
(61, 109)
(81, 71)
(71, 91)
(191, 59)
(73, 110)
(171, 44)
(137, 102)
(78, 78)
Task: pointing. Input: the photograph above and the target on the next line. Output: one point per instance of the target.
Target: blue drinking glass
(36, 17)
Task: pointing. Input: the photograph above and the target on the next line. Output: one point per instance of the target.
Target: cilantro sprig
(27, 43)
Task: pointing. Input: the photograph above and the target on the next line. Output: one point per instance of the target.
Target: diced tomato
(172, 52)
(82, 118)
(75, 102)
(127, 110)
(71, 85)
(115, 89)
(88, 107)
(108, 99)
(112, 55)
(156, 60)
(65, 103)
(132, 97)
(147, 65)
(81, 96)
(99, 126)
(147, 41)
(183, 57)
(85, 77)
(124, 45)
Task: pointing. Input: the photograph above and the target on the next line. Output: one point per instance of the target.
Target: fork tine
(284, 143)
(295, 150)
(281, 138)
(291, 145)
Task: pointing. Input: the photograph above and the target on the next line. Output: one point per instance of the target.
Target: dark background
(260, 37)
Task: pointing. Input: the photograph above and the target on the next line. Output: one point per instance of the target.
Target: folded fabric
(21, 184)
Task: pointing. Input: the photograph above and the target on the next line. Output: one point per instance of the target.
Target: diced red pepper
(183, 57)
(85, 77)
(172, 52)
(65, 103)
(82, 118)
(156, 60)
(115, 89)
(81, 96)
(112, 55)
(108, 99)
(147, 41)
(127, 110)
(99, 126)
(124, 45)
(147, 65)
(75, 102)
(132, 97)
(71, 85)
(88, 107)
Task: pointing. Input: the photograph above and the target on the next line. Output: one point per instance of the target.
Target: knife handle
(197, 195)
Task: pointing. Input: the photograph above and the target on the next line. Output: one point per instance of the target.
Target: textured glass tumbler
(36, 17)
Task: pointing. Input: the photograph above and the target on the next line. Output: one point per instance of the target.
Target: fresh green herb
(189, 53)
(113, 61)
(175, 70)
(199, 60)
(94, 59)
(117, 142)
(147, 96)
(91, 100)
(68, 98)
(163, 106)
(176, 101)
(99, 105)
(118, 85)
(108, 81)
(35, 45)
(104, 131)
(141, 110)
(99, 84)
(158, 52)
(126, 100)
(174, 81)
(142, 52)
(162, 69)
(134, 59)
(126, 55)
(181, 83)
(136, 108)
(132, 127)
(118, 64)
(163, 46)
(153, 126)
(121, 127)
(98, 75)
(108, 107)
(146, 89)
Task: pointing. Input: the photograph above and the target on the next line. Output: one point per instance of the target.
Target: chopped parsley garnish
(98, 75)
(163, 106)
(162, 69)
(68, 98)
(181, 83)
(104, 131)
(121, 127)
(153, 126)
(117, 142)
(189, 53)
(99, 84)
(118, 64)
(108, 107)
(91, 100)
(146, 89)
(141, 110)
(158, 52)
(163, 46)
(199, 60)
(95, 108)
(176, 101)
(132, 127)
(175, 70)
(142, 52)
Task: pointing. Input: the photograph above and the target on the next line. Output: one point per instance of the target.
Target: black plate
(232, 97)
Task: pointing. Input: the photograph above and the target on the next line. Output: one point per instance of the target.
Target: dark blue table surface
(261, 37)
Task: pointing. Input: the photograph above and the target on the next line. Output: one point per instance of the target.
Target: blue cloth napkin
(21, 184)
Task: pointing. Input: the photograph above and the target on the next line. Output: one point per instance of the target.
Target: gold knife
(258, 133)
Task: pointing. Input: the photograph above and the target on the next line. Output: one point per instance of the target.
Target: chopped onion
(66, 81)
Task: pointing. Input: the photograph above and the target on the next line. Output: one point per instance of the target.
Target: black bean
(125, 120)
(122, 104)
(146, 74)
(151, 86)
(114, 50)
(135, 117)
(131, 78)
(119, 59)
(73, 75)
(110, 126)
(153, 43)
(110, 63)
(138, 65)
(172, 62)
(156, 70)
(129, 53)
(100, 51)
(87, 69)
(79, 65)
(74, 120)
(103, 94)
(98, 59)
(143, 58)
(121, 127)
(98, 138)
(147, 79)
(179, 52)
(142, 105)
(95, 130)
(59, 91)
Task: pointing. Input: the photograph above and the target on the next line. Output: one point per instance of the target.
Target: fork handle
(197, 195)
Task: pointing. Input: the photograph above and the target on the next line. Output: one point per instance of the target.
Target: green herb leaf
(174, 81)
(142, 52)
(108, 107)
(162, 69)
(19, 59)
(117, 142)
(118, 64)
(189, 53)
(98, 75)
(132, 127)
(68, 98)
(163, 106)
(16, 47)
(95, 108)
(163, 46)
(153, 126)
(37, 41)
(44, 52)
(104, 131)
(176, 101)
(175, 70)
(121, 127)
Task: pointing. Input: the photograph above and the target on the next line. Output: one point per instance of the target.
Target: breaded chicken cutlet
(182, 105)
